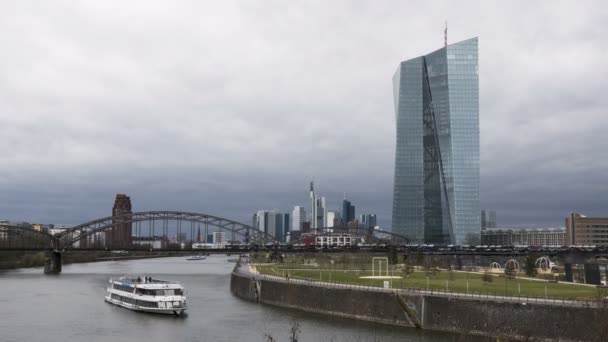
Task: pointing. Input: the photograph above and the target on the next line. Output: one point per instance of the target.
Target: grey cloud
(230, 107)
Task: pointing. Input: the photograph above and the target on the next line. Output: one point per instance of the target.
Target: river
(70, 307)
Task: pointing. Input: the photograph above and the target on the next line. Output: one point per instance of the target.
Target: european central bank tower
(436, 186)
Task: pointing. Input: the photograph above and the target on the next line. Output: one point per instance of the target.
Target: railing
(242, 268)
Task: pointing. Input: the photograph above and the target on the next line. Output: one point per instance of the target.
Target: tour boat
(147, 295)
(196, 257)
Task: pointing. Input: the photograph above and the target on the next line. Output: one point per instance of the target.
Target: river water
(70, 307)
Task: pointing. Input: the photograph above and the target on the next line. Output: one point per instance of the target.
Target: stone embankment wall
(530, 321)
(377, 306)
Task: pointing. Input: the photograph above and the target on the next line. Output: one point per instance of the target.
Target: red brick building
(120, 236)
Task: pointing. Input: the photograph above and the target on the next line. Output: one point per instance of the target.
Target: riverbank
(442, 280)
(491, 316)
(12, 260)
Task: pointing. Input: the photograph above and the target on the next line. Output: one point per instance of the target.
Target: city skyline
(168, 114)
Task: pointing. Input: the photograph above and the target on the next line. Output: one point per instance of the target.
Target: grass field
(453, 281)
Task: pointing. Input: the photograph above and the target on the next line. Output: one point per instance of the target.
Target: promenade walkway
(247, 269)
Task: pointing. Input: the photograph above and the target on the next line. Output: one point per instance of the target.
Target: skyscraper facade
(368, 220)
(298, 216)
(348, 211)
(488, 219)
(318, 210)
(272, 222)
(313, 206)
(436, 185)
(331, 218)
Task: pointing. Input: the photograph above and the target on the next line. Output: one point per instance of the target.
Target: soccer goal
(378, 261)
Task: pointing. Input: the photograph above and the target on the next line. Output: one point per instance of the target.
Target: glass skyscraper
(436, 185)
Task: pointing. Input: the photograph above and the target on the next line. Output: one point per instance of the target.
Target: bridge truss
(169, 229)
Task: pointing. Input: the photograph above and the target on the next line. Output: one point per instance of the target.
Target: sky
(228, 107)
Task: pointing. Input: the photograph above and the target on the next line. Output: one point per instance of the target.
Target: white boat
(153, 295)
(196, 257)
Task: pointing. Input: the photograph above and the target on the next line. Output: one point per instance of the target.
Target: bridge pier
(53, 262)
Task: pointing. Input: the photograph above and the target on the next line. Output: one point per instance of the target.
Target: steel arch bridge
(158, 222)
(144, 226)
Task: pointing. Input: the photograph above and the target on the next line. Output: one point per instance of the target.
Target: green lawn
(442, 280)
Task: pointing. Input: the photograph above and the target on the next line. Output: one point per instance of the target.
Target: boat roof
(151, 284)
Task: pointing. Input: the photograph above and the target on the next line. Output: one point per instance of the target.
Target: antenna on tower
(445, 35)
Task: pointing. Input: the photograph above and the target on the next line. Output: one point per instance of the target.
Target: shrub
(487, 277)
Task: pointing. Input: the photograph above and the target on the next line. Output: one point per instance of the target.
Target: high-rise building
(331, 218)
(318, 209)
(272, 222)
(348, 211)
(281, 227)
(286, 226)
(313, 206)
(488, 219)
(121, 234)
(368, 220)
(260, 221)
(298, 216)
(436, 185)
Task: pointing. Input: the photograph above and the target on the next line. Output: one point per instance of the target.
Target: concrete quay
(494, 316)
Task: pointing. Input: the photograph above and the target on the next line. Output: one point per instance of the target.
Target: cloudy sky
(227, 107)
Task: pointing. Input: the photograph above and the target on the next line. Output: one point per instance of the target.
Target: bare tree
(294, 331)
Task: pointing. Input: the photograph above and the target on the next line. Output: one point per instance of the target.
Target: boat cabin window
(161, 292)
(124, 288)
(135, 301)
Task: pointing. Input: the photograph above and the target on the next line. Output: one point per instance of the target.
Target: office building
(334, 240)
(219, 237)
(331, 218)
(318, 209)
(586, 231)
(306, 227)
(488, 219)
(120, 236)
(272, 222)
(368, 220)
(298, 216)
(281, 227)
(533, 237)
(4, 230)
(355, 227)
(436, 180)
(348, 212)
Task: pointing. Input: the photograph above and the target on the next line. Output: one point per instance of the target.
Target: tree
(472, 239)
(393, 258)
(419, 259)
(531, 265)
(510, 273)
(294, 331)
(408, 269)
